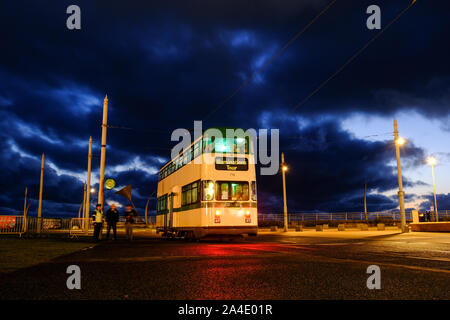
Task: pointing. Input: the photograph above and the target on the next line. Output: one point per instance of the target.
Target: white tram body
(209, 189)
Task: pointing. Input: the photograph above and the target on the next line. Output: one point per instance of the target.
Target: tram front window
(232, 190)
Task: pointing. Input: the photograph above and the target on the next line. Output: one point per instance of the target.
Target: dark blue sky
(165, 64)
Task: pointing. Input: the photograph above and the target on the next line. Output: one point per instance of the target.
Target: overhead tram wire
(278, 53)
(140, 130)
(336, 141)
(249, 80)
(353, 57)
(363, 137)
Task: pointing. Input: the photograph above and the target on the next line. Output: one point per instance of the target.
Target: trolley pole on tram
(283, 170)
(103, 152)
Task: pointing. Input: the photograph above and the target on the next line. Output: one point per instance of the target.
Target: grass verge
(21, 253)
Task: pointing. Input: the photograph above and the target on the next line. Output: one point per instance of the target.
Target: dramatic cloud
(443, 202)
(328, 169)
(165, 64)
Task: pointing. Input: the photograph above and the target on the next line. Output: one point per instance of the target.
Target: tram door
(170, 206)
(168, 217)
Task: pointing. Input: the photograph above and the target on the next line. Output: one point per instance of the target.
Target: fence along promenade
(18, 224)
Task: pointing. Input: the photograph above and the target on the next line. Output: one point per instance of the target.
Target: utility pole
(365, 200)
(24, 223)
(401, 194)
(103, 152)
(283, 170)
(25, 204)
(40, 196)
(436, 218)
(432, 161)
(88, 188)
(83, 204)
(146, 207)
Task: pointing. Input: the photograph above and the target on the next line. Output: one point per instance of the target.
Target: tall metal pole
(283, 170)
(88, 187)
(146, 207)
(24, 223)
(82, 208)
(401, 193)
(436, 218)
(40, 195)
(103, 152)
(365, 201)
(25, 204)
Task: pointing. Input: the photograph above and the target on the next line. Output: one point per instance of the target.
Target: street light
(283, 171)
(90, 200)
(399, 141)
(432, 161)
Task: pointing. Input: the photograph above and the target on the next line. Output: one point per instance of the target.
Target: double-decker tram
(209, 189)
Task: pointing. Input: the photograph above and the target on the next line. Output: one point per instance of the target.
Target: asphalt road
(301, 265)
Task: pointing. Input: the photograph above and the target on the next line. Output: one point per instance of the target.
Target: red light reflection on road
(240, 249)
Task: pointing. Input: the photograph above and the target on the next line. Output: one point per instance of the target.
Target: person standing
(97, 218)
(130, 215)
(112, 217)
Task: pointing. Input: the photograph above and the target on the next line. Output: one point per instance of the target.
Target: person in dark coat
(112, 217)
(130, 218)
(97, 218)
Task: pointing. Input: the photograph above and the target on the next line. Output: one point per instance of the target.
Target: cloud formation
(165, 64)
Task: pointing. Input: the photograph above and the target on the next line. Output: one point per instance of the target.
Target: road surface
(294, 265)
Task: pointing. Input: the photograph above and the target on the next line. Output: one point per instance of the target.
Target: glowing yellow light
(92, 190)
(210, 191)
(431, 161)
(284, 168)
(400, 141)
(217, 213)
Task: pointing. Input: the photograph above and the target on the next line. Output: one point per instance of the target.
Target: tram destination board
(231, 164)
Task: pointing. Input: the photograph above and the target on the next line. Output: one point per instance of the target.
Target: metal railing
(348, 217)
(80, 226)
(12, 225)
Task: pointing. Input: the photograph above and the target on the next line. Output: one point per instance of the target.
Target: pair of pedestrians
(112, 217)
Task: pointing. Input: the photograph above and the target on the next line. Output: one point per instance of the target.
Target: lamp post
(93, 192)
(103, 152)
(88, 187)
(398, 141)
(432, 161)
(283, 171)
(39, 226)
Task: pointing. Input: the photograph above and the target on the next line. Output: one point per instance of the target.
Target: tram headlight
(247, 217)
(217, 217)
